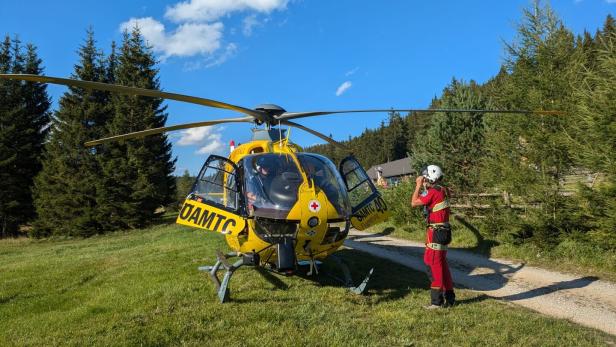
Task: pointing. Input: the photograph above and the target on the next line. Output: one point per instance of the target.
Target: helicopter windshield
(271, 182)
(325, 176)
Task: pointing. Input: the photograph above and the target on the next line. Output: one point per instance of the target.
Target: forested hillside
(547, 67)
(24, 117)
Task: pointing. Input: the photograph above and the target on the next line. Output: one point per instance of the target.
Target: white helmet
(433, 173)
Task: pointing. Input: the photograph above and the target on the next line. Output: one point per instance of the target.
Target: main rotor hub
(271, 109)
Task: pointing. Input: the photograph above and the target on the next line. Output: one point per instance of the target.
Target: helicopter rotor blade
(134, 91)
(315, 133)
(295, 115)
(154, 131)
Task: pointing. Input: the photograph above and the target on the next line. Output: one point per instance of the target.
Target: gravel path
(581, 299)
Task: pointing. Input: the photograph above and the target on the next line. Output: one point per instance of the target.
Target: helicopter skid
(348, 279)
(222, 287)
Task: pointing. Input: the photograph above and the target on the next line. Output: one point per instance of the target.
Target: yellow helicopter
(278, 207)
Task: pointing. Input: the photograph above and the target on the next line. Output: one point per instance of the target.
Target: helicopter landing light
(313, 222)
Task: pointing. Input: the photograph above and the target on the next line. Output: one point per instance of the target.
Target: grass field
(143, 288)
(569, 256)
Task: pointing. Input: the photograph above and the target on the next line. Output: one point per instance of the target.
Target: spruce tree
(528, 155)
(594, 140)
(417, 125)
(24, 114)
(136, 173)
(395, 137)
(66, 189)
(454, 141)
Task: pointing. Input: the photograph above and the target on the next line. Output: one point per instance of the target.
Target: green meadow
(143, 288)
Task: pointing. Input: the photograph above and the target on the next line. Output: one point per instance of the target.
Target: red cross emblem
(314, 206)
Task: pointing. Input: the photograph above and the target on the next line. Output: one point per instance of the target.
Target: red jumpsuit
(435, 199)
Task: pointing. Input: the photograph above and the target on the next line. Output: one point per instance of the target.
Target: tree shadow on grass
(483, 246)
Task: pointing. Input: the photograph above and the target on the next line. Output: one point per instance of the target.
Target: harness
(441, 232)
(436, 246)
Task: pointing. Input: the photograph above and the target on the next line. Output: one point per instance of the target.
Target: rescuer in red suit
(438, 235)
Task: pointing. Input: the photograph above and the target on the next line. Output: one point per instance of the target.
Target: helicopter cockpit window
(326, 177)
(217, 184)
(271, 184)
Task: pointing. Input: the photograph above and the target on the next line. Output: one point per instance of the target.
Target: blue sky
(300, 54)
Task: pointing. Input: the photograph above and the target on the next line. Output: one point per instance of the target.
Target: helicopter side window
(217, 183)
(357, 182)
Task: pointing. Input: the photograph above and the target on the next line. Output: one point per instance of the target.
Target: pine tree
(137, 173)
(24, 114)
(66, 189)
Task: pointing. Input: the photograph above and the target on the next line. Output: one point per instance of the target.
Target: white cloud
(351, 72)
(229, 52)
(198, 30)
(188, 39)
(215, 146)
(212, 60)
(194, 136)
(207, 139)
(211, 10)
(343, 88)
(249, 23)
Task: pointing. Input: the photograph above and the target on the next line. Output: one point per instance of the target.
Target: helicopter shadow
(389, 281)
(272, 279)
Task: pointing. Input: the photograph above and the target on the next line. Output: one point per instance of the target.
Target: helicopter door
(215, 201)
(369, 208)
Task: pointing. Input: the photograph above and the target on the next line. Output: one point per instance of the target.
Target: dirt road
(581, 299)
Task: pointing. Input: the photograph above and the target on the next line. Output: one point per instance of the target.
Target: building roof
(394, 168)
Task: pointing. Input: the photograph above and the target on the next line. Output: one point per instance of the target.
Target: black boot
(436, 296)
(450, 298)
